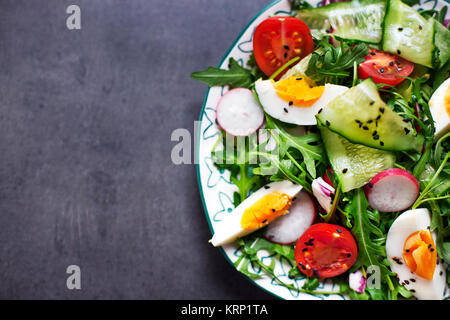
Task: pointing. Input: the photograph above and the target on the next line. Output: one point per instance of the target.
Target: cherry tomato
(325, 250)
(279, 39)
(385, 68)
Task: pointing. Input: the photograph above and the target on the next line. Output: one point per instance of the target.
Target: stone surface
(85, 172)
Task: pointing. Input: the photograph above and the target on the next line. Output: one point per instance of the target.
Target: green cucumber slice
(408, 34)
(358, 20)
(360, 116)
(354, 164)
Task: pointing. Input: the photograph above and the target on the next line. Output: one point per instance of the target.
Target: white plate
(215, 187)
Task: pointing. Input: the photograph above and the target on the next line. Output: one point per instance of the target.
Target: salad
(336, 136)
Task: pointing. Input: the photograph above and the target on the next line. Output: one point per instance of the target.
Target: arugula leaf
(235, 77)
(334, 65)
(309, 145)
(239, 162)
(371, 252)
(300, 5)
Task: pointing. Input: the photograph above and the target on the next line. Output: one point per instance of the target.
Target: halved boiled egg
(410, 247)
(259, 209)
(293, 100)
(440, 108)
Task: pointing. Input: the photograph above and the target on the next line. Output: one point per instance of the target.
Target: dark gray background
(85, 170)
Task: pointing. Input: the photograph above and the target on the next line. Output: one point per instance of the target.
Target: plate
(215, 187)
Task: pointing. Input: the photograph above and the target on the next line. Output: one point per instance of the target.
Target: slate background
(85, 171)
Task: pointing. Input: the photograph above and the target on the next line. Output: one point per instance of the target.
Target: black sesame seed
(365, 128)
(429, 246)
(370, 185)
(285, 110)
(406, 281)
(432, 249)
(294, 198)
(299, 79)
(400, 29)
(357, 121)
(399, 52)
(320, 110)
(327, 123)
(374, 133)
(412, 290)
(286, 47)
(376, 137)
(391, 63)
(264, 221)
(412, 280)
(291, 103)
(369, 121)
(420, 28)
(382, 70)
(381, 143)
(301, 266)
(407, 250)
(338, 230)
(372, 53)
(285, 55)
(381, 110)
(273, 210)
(372, 103)
(378, 118)
(349, 255)
(345, 170)
(305, 249)
(407, 130)
(441, 273)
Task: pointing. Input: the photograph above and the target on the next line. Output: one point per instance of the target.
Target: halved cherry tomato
(279, 39)
(385, 68)
(325, 250)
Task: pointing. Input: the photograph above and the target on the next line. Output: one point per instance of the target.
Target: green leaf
(333, 65)
(235, 77)
(311, 284)
(370, 253)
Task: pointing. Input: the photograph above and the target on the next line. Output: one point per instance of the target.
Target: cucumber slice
(442, 44)
(408, 34)
(356, 20)
(360, 116)
(354, 164)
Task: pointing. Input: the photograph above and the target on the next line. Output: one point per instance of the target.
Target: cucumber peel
(362, 117)
(354, 164)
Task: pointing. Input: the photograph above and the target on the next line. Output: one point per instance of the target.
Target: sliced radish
(392, 190)
(324, 193)
(288, 228)
(238, 112)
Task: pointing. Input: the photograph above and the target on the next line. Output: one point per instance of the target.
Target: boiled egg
(411, 250)
(258, 210)
(440, 108)
(293, 100)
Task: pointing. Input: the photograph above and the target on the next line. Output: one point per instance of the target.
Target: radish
(238, 113)
(288, 228)
(392, 190)
(324, 193)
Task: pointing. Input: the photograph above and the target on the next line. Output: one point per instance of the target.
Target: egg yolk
(266, 209)
(298, 92)
(447, 101)
(419, 253)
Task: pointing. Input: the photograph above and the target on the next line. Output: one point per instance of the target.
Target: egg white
(230, 228)
(304, 116)
(438, 110)
(407, 223)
